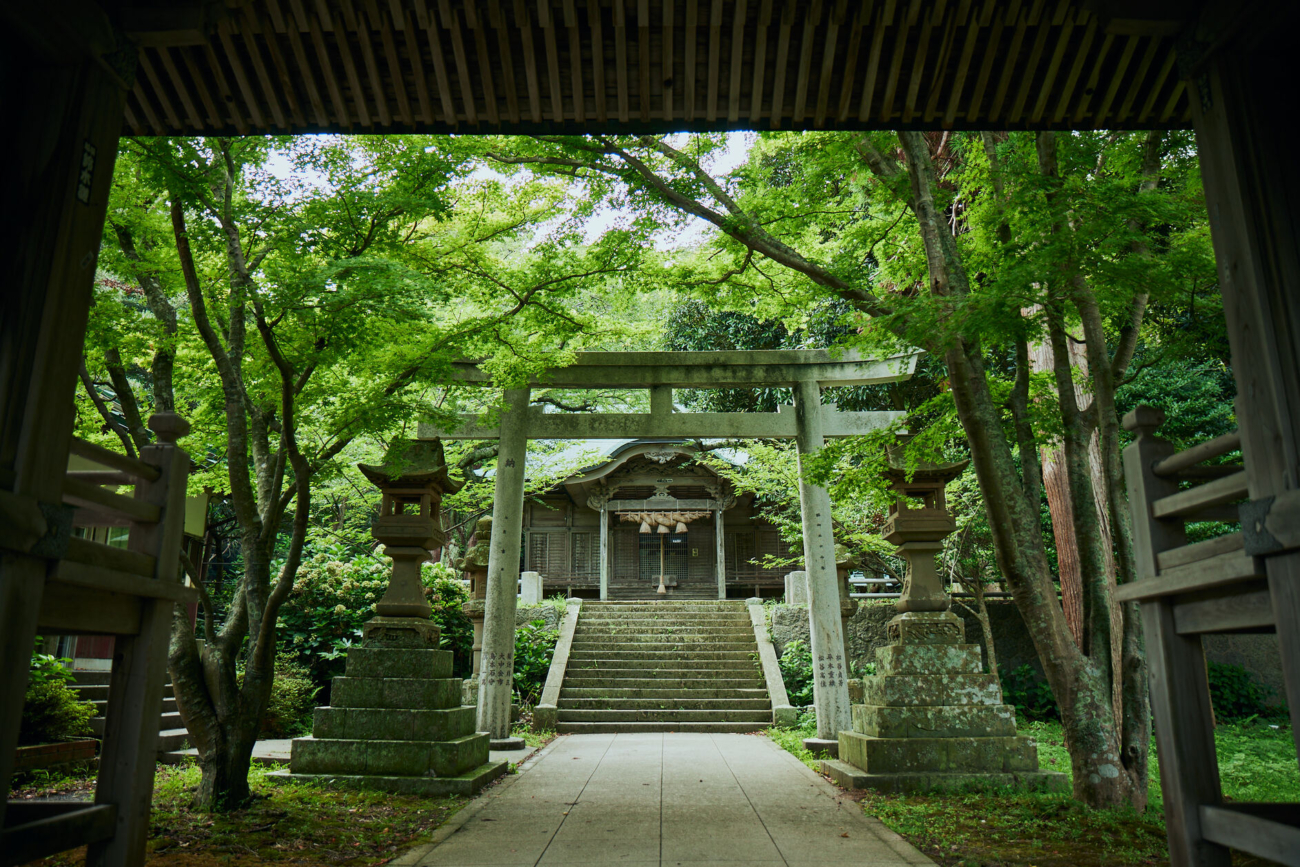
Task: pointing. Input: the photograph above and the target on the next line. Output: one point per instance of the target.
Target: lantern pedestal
(396, 721)
(930, 718)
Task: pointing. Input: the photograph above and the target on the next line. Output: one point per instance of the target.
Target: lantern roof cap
(412, 464)
(898, 471)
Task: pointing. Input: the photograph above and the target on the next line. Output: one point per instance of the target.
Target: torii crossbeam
(808, 422)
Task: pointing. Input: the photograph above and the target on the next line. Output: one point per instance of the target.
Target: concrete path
(666, 799)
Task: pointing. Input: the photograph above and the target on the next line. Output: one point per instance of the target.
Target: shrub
(51, 710)
(446, 594)
(1029, 694)
(534, 647)
(1235, 694)
(797, 673)
(293, 698)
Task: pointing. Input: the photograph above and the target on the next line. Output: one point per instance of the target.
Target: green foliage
(52, 712)
(330, 600)
(446, 595)
(1029, 693)
(48, 668)
(534, 647)
(1236, 695)
(293, 697)
(797, 672)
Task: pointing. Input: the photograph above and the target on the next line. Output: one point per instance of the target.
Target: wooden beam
(1053, 69)
(114, 460)
(359, 101)
(1270, 831)
(873, 65)
(1154, 91)
(107, 557)
(1090, 86)
(56, 832)
(158, 90)
(308, 75)
(451, 23)
(396, 72)
(737, 48)
(575, 61)
(1076, 69)
(810, 21)
(201, 86)
(689, 49)
(507, 54)
(1215, 493)
(918, 69)
(1227, 609)
(286, 79)
(100, 578)
(547, 20)
(524, 22)
(669, 65)
(366, 43)
(1135, 86)
(485, 69)
(79, 610)
(895, 65)
(782, 63)
(1030, 77)
(594, 27)
(620, 59)
(182, 92)
(760, 62)
(1117, 77)
(1008, 70)
(143, 99)
(939, 78)
(79, 492)
(851, 52)
(249, 35)
(715, 52)
(411, 35)
(991, 51)
(643, 55)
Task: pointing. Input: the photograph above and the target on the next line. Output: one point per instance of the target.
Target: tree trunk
(223, 785)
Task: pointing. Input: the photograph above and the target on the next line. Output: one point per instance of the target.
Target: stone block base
(850, 777)
(938, 755)
(821, 745)
(466, 784)
(448, 758)
(977, 721)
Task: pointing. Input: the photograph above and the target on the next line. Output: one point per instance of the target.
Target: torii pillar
(496, 674)
(825, 631)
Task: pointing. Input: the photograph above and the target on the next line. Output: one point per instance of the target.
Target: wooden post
(1251, 188)
(130, 745)
(1180, 696)
(496, 677)
(65, 110)
(826, 635)
(719, 548)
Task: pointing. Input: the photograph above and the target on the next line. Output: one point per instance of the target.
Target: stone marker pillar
(396, 721)
(530, 588)
(796, 588)
(826, 634)
(930, 718)
(496, 676)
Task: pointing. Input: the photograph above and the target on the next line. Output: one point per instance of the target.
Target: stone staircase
(92, 686)
(664, 667)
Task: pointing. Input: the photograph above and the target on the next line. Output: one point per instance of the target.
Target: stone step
(568, 702)
(718, 680)
(172, 739)
(165, 721)
(630, 727)
(647, 626)
(675, 633)
(615, 696)
(664, 606)
(732, 658)
(702, 614)
(99, 691)
(667, 670)
(617, 715)
(668, 664)
(81, 677)
(664, 643)
(101, 705)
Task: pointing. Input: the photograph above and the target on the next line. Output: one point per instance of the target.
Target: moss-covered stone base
(467, 784)
(850, 777)
(396, 715)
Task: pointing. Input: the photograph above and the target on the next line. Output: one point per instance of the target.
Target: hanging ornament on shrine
(661, 522)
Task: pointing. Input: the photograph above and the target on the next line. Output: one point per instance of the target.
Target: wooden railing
(128, 593)
(1186, 591)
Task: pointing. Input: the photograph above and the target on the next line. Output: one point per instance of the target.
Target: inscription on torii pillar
(808, 422)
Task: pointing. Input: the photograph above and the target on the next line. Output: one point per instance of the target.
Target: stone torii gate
(809, 422)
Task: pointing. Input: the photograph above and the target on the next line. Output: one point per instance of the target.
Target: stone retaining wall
(1258, 654)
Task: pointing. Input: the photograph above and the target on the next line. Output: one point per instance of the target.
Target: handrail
(136, 510)
(110, 458)
(1220, 445)
(546, 711)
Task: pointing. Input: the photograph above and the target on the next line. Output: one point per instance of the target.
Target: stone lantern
(474, 568)
(412, 481)
(396, 720)
(930, 718)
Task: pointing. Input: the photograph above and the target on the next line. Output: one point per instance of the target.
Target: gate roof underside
(578, 66)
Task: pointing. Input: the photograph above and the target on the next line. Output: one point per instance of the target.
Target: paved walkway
(666, 799)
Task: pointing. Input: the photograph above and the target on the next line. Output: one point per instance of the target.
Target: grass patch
(1257, 762)
(532, 738)
(293, 823)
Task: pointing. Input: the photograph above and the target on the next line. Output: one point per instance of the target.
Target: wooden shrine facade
(563, 539)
